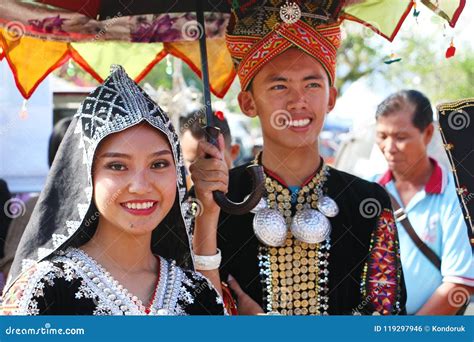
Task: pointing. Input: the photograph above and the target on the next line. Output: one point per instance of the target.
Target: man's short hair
(191, 123)
(407, 101)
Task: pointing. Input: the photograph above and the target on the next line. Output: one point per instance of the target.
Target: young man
(321, 241)
(427, 194)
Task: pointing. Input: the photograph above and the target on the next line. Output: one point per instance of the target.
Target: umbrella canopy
(138, 34)
(50, 36)
(103, 9)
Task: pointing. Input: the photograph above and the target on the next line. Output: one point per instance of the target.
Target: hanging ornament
(438, 11)
(415, 12)
(270, 227)
(220, 115)
(310, 226)
(169, 67)
(262, 204)
(392, 59)
(70, 68)
(328, 206)
(451, 50)
(24, 111)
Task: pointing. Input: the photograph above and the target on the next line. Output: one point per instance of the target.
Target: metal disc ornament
(327, 206)
(290, 13)
(270, 227)
(310, 226)
(262, 204)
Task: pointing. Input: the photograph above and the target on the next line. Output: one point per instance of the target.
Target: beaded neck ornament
(307, 221)
(294, 270)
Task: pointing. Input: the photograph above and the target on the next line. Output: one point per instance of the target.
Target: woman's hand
(209, 174)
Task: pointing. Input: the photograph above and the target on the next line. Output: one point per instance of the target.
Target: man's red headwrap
(260, 34)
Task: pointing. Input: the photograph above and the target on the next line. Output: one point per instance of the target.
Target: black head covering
(456, 121)
(5, 219)
(65, 214)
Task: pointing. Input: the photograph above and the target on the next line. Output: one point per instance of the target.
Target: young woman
(110, 234)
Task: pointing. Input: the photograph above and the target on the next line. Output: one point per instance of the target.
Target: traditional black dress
(356, 270)
(52, 275)
(72, 283)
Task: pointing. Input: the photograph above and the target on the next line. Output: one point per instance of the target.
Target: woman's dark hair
(59, 130)
(408, 100)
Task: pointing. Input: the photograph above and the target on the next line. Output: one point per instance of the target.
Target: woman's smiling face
(134, 179)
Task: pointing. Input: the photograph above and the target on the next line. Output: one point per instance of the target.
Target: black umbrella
(255, 171)
(106, 9)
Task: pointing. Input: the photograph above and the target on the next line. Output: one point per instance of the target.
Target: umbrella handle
(258, 189)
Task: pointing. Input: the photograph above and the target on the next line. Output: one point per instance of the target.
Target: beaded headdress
(261, 30)
(65, 214)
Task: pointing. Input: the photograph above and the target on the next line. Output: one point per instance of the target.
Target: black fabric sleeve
(58, 297)
(201, 298)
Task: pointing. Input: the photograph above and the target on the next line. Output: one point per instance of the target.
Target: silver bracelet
(208, 262)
